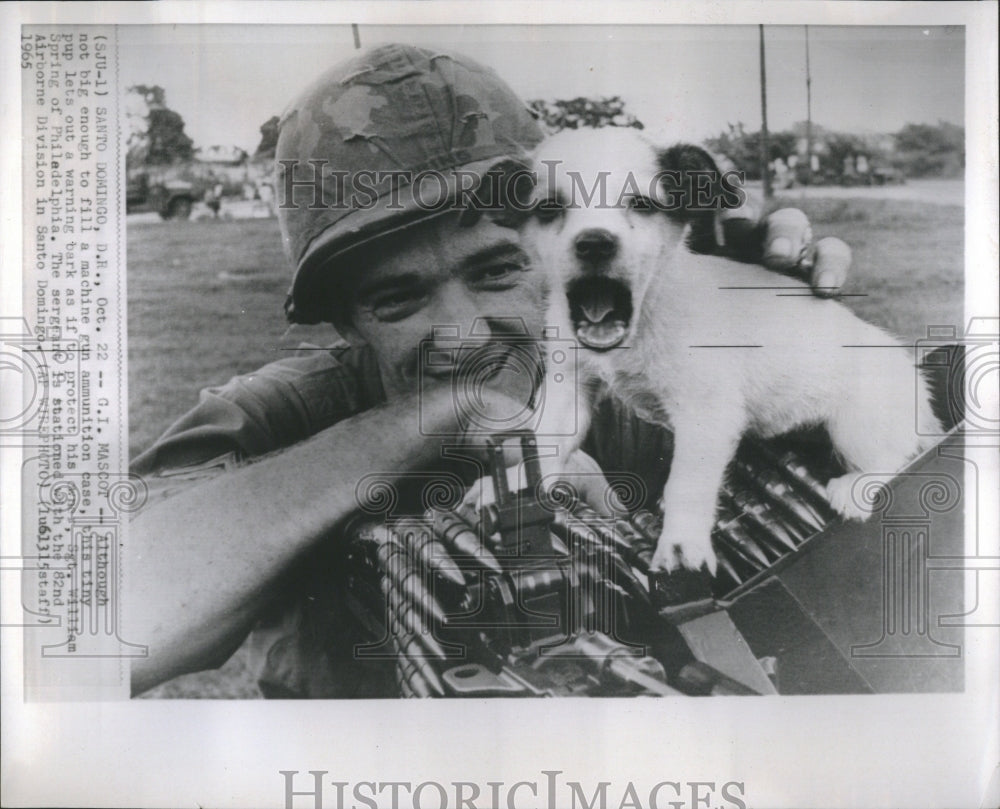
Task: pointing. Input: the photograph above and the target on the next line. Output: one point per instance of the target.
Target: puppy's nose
(595, 244)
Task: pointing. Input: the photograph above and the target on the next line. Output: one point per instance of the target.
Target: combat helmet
(352, 145)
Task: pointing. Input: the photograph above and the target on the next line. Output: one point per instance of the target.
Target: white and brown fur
(804, 369)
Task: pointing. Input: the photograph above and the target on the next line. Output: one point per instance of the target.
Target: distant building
(228, 155)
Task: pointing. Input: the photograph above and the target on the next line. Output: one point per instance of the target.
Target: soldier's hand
(496, 392)
(787, 246)
(783, 242)
(581, 473)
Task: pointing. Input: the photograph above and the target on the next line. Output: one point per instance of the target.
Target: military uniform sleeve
(298, 646)
(258, 413)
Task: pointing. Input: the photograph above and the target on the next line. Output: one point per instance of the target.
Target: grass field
(205, 303)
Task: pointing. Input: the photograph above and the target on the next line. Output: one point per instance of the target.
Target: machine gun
(538, 595)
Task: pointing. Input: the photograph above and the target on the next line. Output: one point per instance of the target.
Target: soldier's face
(448, 283)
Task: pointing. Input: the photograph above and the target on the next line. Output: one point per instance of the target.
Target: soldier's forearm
(202, 564)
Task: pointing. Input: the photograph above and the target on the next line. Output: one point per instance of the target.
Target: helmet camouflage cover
(351, 146)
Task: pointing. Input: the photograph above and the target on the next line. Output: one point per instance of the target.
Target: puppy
(706, 346)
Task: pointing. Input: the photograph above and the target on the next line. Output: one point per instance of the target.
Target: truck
(171, 191)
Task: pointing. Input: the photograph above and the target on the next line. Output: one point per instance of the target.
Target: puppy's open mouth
(601, 310)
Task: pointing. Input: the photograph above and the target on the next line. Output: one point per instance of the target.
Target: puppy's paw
(844, 499)
(670, 556)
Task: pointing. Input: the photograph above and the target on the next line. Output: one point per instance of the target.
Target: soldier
(249, 487)
(213, 199)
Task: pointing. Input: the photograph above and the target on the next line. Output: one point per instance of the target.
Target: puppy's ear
(684, 157)
(692, 189)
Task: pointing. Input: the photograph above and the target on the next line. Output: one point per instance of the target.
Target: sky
(682, 82)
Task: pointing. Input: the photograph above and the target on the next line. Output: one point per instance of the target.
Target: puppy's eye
(642, 205)
(549, 210)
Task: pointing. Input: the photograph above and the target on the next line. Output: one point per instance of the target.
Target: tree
(167, 141)
(268, 138)
(743, 148)
(152, 94)
(925, 150)
(155, 132)
(579, 113)
(841, 148)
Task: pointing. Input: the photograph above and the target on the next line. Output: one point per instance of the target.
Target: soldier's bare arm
(204, 563)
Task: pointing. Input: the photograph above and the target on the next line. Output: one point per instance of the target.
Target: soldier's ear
(346, 330)
(338, 296)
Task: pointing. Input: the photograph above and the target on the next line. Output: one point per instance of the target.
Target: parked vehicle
(170, 191)
(887, 175)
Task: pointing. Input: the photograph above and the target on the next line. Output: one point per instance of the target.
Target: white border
(824, 751)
